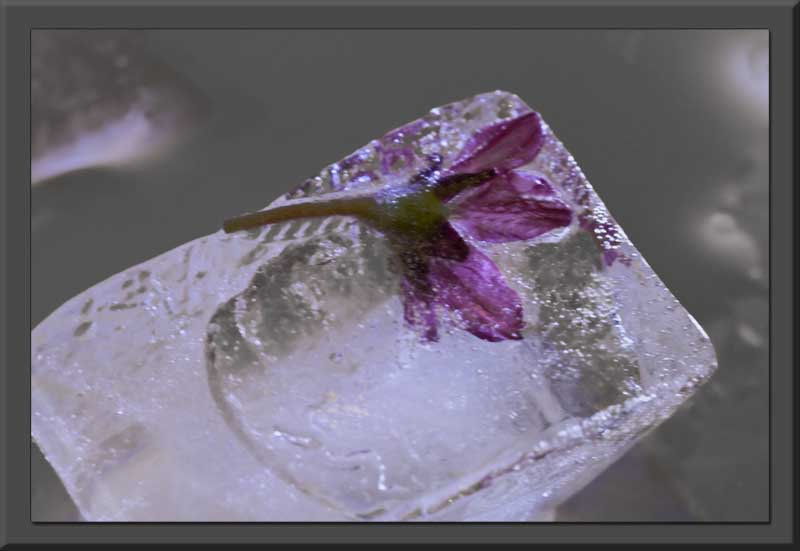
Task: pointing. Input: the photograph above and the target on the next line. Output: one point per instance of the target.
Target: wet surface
(669, 126)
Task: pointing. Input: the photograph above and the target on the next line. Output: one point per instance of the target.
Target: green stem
(451, 186)
(363, 207)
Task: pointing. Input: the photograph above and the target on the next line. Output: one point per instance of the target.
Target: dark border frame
(18, 17)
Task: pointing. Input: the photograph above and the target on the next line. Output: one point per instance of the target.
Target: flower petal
(515, 206)
(418, 310)
(475, 289)
(606, 236)
(448, 244)
(502, 146)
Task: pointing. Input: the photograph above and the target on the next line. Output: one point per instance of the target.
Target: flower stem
(363, 207)
(450, 186)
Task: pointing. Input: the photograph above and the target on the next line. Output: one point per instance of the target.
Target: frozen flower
(432, 221)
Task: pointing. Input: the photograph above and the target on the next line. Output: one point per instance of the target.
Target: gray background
(669, 126)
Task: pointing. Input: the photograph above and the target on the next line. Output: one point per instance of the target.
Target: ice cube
(102, 98)
(270, 375)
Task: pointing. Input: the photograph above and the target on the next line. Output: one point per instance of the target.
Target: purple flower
(432, 220)
(508, 205)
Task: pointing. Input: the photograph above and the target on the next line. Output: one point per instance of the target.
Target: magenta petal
(516, 206)
(476, 290)
(417, 289)
(447, 243)
(418, 310)
(502, 146)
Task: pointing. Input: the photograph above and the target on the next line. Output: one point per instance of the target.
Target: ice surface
(269, 375)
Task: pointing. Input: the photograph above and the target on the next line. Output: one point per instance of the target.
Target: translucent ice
(270, 375)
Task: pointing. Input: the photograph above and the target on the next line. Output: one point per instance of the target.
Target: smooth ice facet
(270, 375)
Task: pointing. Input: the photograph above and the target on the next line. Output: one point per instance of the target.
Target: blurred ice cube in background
(671, 127)
(707, 463)
(101, 98)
